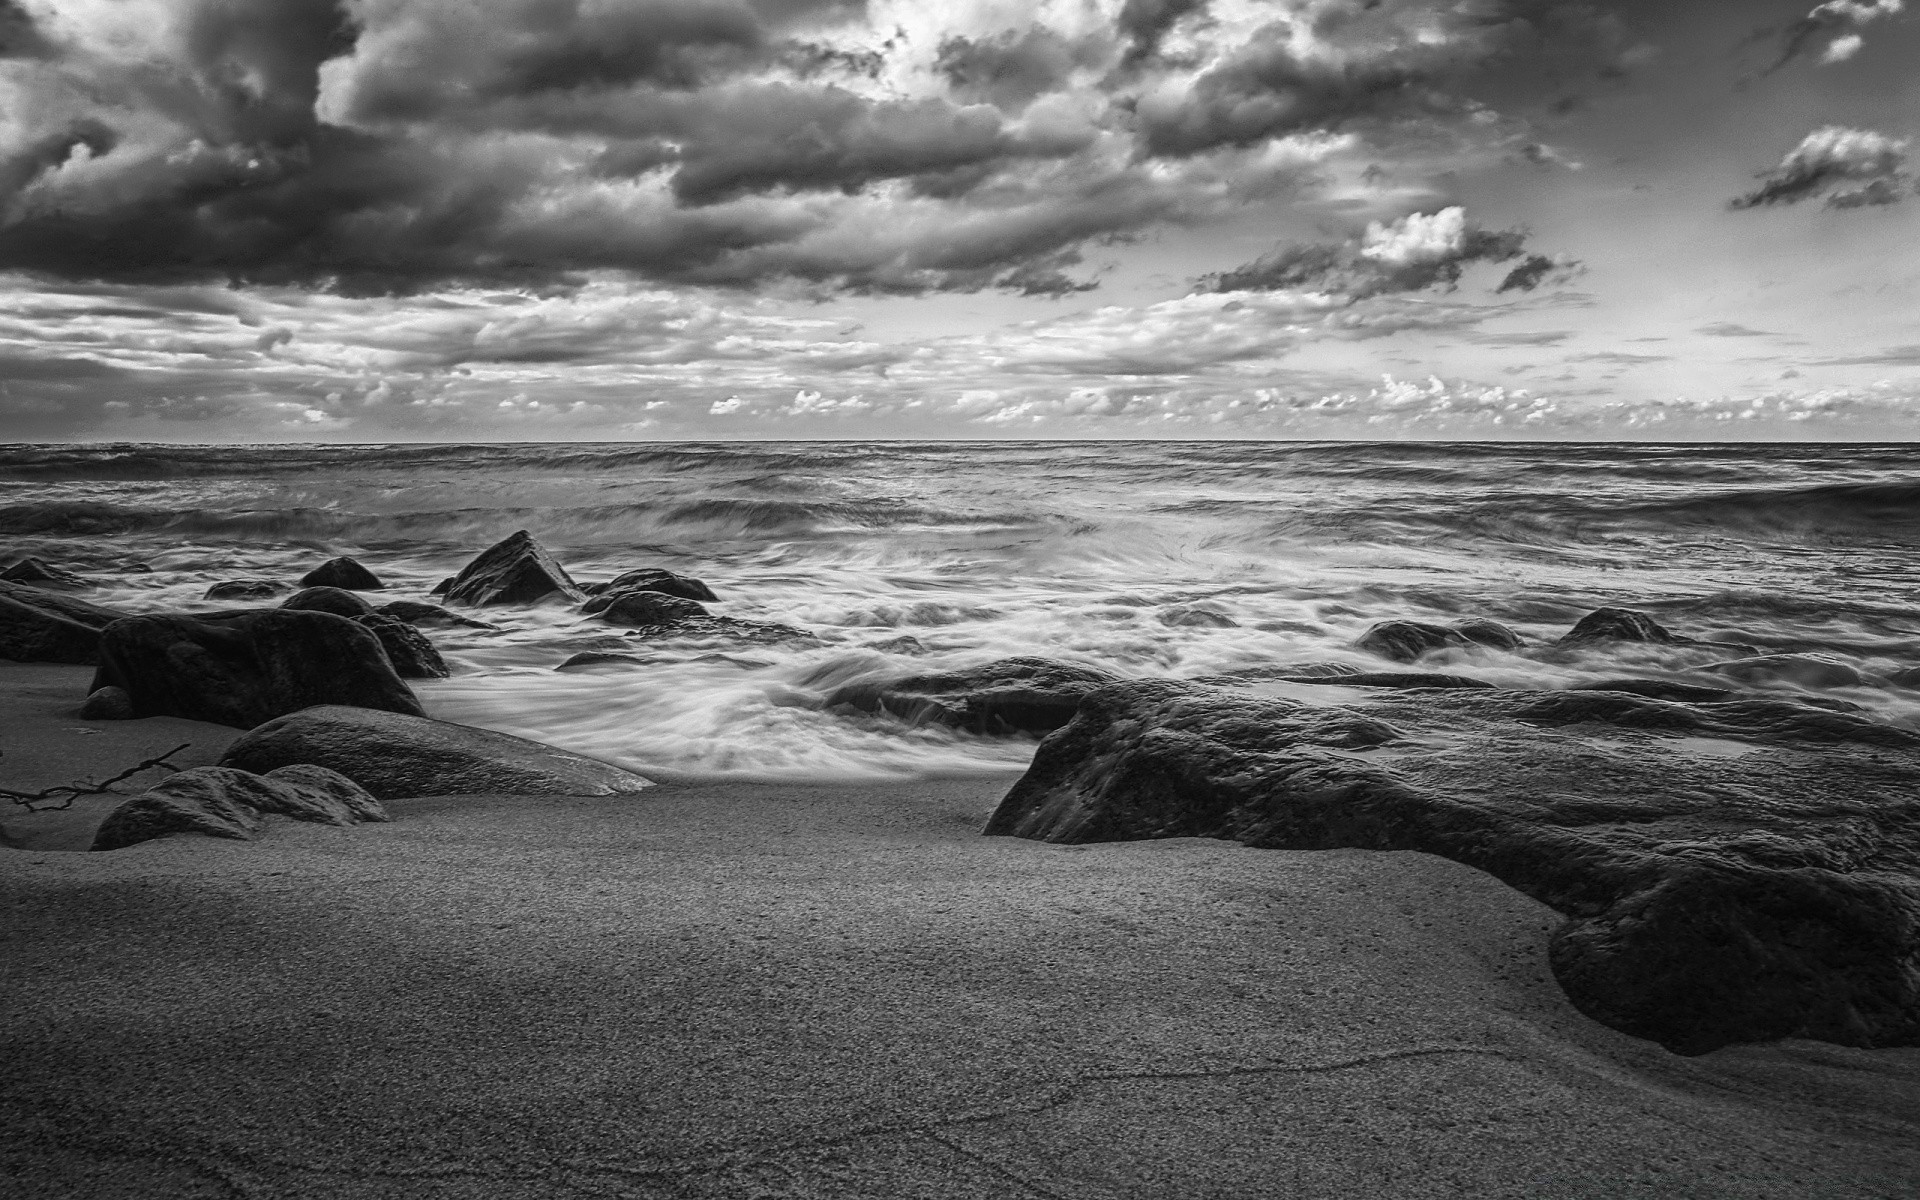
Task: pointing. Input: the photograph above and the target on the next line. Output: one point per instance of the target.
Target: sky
(533, 220)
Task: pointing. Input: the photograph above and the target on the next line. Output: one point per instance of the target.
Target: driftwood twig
(62, 795)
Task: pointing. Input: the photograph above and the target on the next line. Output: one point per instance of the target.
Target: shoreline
(840, 990)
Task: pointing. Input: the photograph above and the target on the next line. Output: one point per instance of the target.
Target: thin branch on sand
(62, 795)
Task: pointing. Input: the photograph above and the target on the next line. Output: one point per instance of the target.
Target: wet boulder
(655, 579)
(1768, 891)
(413, 656)
(658, 616)
(637, 608)
(516, 570)
(1012, 695)
(36, 572)
(107, 704)
(1618, 625)
(343, 572)
(37, 625)
(1660, 689)
(244, 668)
(338, 601)
(1195, 616)
(1405, 641)
(1483, 632)
(228, 803)
(246, 589)
(1805, 670)
(415, 612)
(599, 658)
(394, 755)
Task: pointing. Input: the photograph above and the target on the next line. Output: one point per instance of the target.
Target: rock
(441, 588)
(394, 755)
(412, 655)
(1806, 670)
(514, 571)
(1391, 679)
(642, 608)
(414, 612)
(1012, 695)
(225, 802)
(1405, 641)
(245, 589)
(600, 658)
(243, 668)
(906, 643)
(338, 601)
(36, 573)
(1483, 632)
(654, 579)
(1617, 625)
(107, 704)
(344, 573)
(1195, 616)
(1709, 899)
(1659, 689)
(41, 626)
(1907, 678)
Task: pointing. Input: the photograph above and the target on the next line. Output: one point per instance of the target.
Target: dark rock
(1391, 679)
(338, 601)
(653, 579)
(1617, 625)
(1483, 632)
(514, 571)
(1710, 899)
(441, 588)
(37, 573)
(1659, 689)
(243, 668)
(722, 629)
(1405, 641)
(245, 589)
(342, 572)
(906, 643)
(1806, 670)
(225, 802)
(1195, 616)
(658, 616)
(107, 704)
(599, 658)
(642, 608)
(1908, 678)
(412, 655)
(41, 626)
(1012, 695)
(392, 755)
(414, 612)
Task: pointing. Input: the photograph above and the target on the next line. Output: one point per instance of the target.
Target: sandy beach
(781, 990)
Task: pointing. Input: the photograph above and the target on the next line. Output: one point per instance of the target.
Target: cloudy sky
(371, 220)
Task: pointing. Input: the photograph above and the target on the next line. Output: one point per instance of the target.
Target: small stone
(107, 704)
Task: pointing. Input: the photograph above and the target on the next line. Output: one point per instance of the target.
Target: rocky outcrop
(1407, 641)
(338, 601)
(654, 579)
(41, 626)
(228, 803)
(246, 589)
(394, 755)
(244, 668)
(1765, 891)
(412, 655)
(1012, 695)
(35, 572)
(343, 572)
(415, 612)
(514, 571)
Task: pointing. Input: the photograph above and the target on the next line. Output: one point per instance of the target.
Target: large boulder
(514, 571)
(641, 607)
(413, 656)
(244, 668)
(41, 626)
(228, 803)
(1733, 872)
(655, 579)
(392, 755)
(1618, 625)
(1011, 695)
(342, 572)
(338, 601)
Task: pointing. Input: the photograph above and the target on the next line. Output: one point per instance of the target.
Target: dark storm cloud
(1010, 69)
(1848, 168)
(1420, 251)
(19, 36)
(1145, 22)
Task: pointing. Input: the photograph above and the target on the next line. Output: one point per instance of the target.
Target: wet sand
(777, 990)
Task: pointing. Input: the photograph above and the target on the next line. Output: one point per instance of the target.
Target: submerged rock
(1618, 625)
(228, 803)
(1195, 616)
(342, 572)
(654, 579)
(416, 612)
(1710, 899)
(394, 755)
(338, 601)
(516, 570)
(245, 589)
(659, 616)
(243, 668)
(639, 608)
(1012, 695)
(1807, 670)
(600, 658)
(35, 572)
(41, 626)
(1660, 689)
(412, 655)
(1391, 679)
(1406, 641)
(1482, 632)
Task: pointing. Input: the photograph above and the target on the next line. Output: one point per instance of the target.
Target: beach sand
(777, 990)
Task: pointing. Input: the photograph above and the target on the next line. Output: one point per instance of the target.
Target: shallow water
(1173, 559)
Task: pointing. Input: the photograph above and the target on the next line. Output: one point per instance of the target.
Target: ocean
(1174, 559)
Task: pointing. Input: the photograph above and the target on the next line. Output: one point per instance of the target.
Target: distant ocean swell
(1178, 559)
